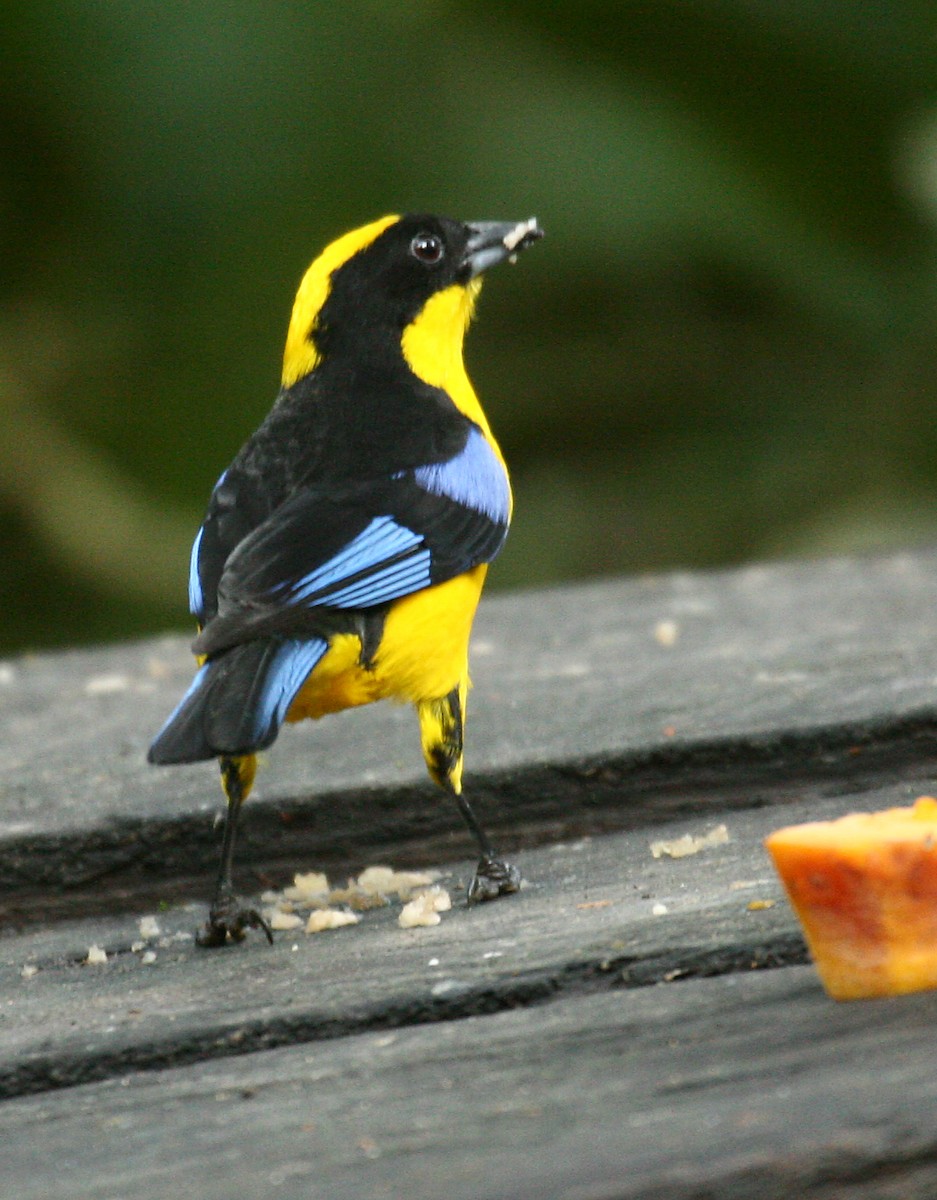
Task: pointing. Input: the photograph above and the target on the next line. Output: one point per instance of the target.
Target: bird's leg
(441, 726)
(228, 917)
(493, 876)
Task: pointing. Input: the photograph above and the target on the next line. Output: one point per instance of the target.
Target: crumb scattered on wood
(385, 881)
(308, 886)
(96, 956)
(666, 633)
(284, 920)
(356, 899)
(149, 928)
(376, 887)
(682, 847)
(424, 908)
(759, 905)
(330, 918)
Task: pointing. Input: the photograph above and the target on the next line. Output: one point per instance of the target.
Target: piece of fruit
(865, 891)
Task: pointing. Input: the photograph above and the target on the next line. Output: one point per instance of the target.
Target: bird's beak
(491, 242)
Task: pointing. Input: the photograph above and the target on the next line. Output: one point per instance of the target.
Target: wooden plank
(586, 922)
(584, 716)
(751, 1086)
(569, 1041)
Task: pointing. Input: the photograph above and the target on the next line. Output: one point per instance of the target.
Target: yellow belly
(423, 654)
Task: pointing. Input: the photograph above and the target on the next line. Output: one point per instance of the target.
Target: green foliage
(723, 351)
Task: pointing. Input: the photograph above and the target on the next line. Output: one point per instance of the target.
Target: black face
(383, 287)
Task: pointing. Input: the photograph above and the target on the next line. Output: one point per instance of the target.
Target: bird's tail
(237, 700)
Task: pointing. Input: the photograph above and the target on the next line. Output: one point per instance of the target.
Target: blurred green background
(723, 351)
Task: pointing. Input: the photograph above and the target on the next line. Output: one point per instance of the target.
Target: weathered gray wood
(750, 1086)
(579, 711)
(585, 921)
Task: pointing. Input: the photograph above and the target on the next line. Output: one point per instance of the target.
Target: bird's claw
(229, 920)
(493, 878)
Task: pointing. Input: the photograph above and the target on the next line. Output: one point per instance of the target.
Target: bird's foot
(229, 920)
(493, 878)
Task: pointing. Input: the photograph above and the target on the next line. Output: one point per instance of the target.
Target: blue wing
(196, 597)
(384, 561)
(473, 477)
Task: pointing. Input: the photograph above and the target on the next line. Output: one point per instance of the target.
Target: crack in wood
(135, 863)
(524, 990)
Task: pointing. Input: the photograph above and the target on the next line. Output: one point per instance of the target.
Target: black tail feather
(218, 714)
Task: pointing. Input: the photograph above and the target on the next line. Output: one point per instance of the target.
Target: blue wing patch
(474, 478)
(196, 599)
(384, 561)
(294, 660)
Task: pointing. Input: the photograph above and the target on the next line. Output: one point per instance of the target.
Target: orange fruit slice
(864, 888)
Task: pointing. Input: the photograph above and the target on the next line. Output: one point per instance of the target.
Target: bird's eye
(427, 247)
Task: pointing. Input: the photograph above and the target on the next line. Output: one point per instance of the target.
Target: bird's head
(410, 281)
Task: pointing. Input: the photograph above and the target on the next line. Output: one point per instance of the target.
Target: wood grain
(627, 1026)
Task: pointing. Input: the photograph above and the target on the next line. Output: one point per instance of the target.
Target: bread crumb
(330, 918)
(149, 928)
(356, 899)
(681, 847)
(666, 633)
(758, 905)
(306, 887)
(96, 956)
(375, 887)
(385, 881)
(424, 908)
(29, 971)
(513, 238)
(659, 910)
(148, 958)
(278, 919)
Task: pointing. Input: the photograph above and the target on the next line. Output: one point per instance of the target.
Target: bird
(343, 552)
